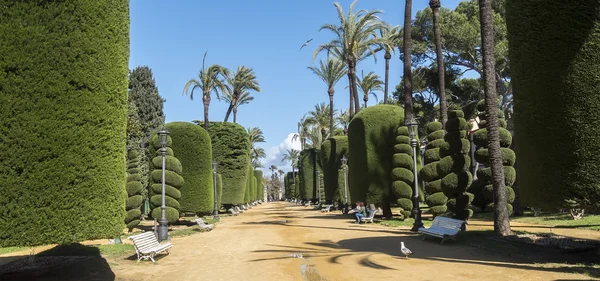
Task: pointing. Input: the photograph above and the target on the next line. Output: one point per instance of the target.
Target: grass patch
(562, 220)
(185, 232)
(7, 250)
(400, 223)
(116, 250)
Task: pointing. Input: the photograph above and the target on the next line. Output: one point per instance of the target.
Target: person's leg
(358, 216)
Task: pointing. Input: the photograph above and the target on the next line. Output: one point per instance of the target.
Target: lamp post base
(163, 229)
(418, 223)
(216, 216)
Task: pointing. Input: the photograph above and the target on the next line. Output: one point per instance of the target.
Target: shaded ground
(264, 244)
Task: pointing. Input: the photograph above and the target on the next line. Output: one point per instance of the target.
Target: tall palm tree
(291, 155)
(355, 39)
(501, 215)
(314, 138)
(344, 120)
(368, 84)
(302, 132)
(244, 98)
(435, 8)
(241, 82)
(256, 153)
(319, 118)
(406, 49)
(330, 72)
(210, 80)
(389, 37)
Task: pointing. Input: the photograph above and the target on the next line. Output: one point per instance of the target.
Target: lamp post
(163, 223)
(216, 212)
(319, 186)
(413, 126)
(344, 161)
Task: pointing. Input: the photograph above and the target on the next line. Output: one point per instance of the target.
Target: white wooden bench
(443, 227)
(204, 226)
(369, 218)
(147, 246)
(307, 204)
(233, 212)
(327, 209)
(238, 209)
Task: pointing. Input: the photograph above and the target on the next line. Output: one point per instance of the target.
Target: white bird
(305, 44)
(405, 250)
(296, 255)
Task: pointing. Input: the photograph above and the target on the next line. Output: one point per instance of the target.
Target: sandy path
(257, 246)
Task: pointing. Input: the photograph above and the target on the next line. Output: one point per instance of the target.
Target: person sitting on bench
(359, 212)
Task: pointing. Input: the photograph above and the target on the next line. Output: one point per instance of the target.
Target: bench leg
(424, 236)
(443, 239)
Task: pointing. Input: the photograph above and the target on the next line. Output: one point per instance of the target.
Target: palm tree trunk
(331, 92)
(353, 85)
(366, 99)
(408, 111)
(435, 8)
(229, 109)
(234, 115)
(206, 100)
(501, 216)
(351, 108)
(387, 58)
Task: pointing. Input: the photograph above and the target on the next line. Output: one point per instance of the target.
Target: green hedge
(134, 190)
(63, 106)
(429, 172)
(253, 184)
(402, 174)
(191, 144)
(332, 151)
(230, 148)
(308, 166)
(371, 140)
(555, 61)
(249, 179)
(260, 185)
(289, 181)
(219, 189)
(173, 180)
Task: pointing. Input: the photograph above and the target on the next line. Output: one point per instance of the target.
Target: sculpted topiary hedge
(191, 144)
(331, 154)
(134, 190)
(308, 167)
(371, 140)
(436, 200)
(173, 181)
(260, 185)
(555, 60)
(402, 174)
(63, 110)
(230, 148)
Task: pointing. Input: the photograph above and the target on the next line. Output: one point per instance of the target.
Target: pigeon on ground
(405, 250)
(297, 255)
(305, 44)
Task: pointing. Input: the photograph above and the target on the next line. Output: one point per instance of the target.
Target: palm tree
(256, 153)
(355, 39)
(389, 37)
(344, 120)
(330, 72)
(209, 80)
(292, 155)
(314, 138)
(369, 83)
(302, 132)
(501, 215)
(406, 49)
(435, 8)
(319, 118)
(240, 83)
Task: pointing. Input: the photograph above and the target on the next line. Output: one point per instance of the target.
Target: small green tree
(173, 182)
(134, 189)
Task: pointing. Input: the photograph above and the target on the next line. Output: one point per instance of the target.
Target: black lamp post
(413, 126)
(345, 167)
(163, 223)
(216, 193)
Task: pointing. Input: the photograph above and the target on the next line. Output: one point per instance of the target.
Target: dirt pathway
(260, 244)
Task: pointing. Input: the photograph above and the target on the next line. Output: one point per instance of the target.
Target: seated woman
(359, 212)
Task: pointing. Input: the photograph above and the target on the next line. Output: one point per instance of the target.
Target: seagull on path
(405, 250)
(305, 44)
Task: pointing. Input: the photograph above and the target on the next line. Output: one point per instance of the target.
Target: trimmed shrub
(191, 144)
(63, 106)
(172, 180)
(332, 151)
(249, 179)
(219, 189)
(402, 174)
(308, 166)
(453, 168)
(371, 139)
(260, 185)
(434, 186)
(230, 148)
(484, 176)
(134, 190)
(429, 172)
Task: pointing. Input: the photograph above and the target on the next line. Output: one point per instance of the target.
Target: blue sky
(171, 37)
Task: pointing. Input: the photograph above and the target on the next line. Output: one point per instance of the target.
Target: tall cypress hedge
(219, 189)
(310, 163)
(230, 148)
(260, 185)
(371, 140)
(134, 189)
(289, 177)
(249, 180)
(63, 106)
(173, 181)
(331, 154)
(555, 60)
(191, 145)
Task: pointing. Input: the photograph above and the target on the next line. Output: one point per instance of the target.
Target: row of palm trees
(235, 88)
